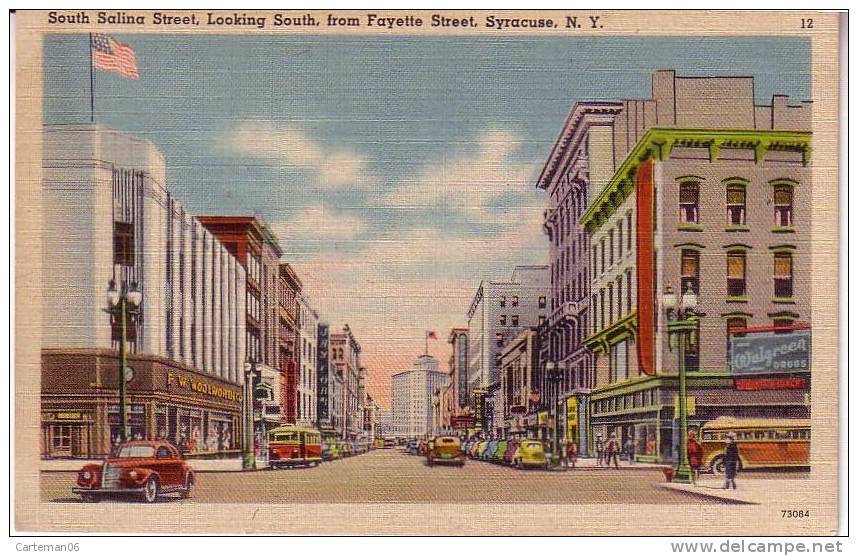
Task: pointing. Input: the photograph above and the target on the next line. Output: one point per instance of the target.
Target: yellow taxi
(530, 453)
(445, 449)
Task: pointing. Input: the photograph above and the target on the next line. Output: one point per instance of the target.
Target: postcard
(415, 272)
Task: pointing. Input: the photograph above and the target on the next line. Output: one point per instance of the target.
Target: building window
(619, 296)
(515, 320)
(499, 339)
(689, 200)
(629, 231)
(783, 205)
(736, 204)
(542, 302)
(595, 322)
(611, 302)
(515, 301)
(734, 325)
(783, 275)
(541, 320)
(503, 301)
(602, 307)
(736, 273)
(503, 320)
(620, 240)
(123, 244)
(602, 248)
(611, 247)
(628, 291)
(782, 325)
(690, 271)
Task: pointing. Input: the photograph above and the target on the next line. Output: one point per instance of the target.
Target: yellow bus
(761, 442)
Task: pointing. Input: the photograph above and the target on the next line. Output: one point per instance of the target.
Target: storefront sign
(571, 419)
(770, 352)
(770, 383)
(68, 415)
(201, 386)
(323, 371)
(480, 408)
(462, 422)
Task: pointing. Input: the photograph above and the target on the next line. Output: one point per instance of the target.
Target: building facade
(498, 313)
(458, 366)
(108, 218)
(345, 360)
(289, 341)
(252, 244)
(308, 320)
(702, 197)
(412, 394)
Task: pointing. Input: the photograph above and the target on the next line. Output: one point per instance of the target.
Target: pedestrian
(731, 461)
(695, 456)
(571, 455)
(612, 450)
(600, 450)
(629, 449)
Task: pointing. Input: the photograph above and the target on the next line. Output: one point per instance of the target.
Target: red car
(142, 467)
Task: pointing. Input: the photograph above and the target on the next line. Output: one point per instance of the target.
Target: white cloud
(291, 146)
(318, 223)
(467, 182)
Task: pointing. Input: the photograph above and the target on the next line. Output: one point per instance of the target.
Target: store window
(123, 243)
(783, 198)
(689, 201)
(690, 271)
(736, 204)
(783, 275)
(736, 286)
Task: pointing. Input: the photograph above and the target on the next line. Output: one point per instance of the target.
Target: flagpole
(91, 84)
(426, 341)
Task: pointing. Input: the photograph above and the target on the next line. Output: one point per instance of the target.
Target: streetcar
(290, 445)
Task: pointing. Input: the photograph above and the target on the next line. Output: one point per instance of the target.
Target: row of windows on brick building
(736, 204)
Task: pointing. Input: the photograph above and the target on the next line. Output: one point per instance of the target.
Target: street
(392, 476)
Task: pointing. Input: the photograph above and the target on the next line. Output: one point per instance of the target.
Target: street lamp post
(682, 323)
(120, 305)
(249, 445)
(553, 376)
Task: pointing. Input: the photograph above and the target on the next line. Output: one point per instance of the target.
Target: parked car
(478, 449)
(411, 447)
(331, 450)
(497, 455)
(488, 450)
(530, 453)
(422, 446)
(143, 468)
(445, 449)
(511, 447)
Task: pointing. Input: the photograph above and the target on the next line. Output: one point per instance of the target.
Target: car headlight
(132, 474)
(87, 475)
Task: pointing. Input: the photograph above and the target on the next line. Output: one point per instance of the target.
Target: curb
(708, 495)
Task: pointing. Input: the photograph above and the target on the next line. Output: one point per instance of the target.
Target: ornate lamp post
(251, 374)
(122, 304)
(682, 324)
(552, 373)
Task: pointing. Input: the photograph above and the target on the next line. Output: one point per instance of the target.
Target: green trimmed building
(697, 189)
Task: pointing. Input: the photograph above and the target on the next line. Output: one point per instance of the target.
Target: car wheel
(718, 465)
(189, 484)
(150, 490)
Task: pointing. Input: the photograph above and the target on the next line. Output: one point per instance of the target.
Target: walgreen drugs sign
(770, 352)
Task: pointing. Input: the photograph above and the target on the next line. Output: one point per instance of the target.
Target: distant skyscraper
(411, 397)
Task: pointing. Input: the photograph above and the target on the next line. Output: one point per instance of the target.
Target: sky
(397, 172)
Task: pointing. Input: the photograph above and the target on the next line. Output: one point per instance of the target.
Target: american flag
(108, 54)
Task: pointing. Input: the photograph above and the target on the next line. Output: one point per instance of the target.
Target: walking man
(600, 450)
(612, 450)
(695, 456)
(731, 461)
(629, 449)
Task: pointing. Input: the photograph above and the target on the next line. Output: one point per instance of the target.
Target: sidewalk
(590, 464)
(198, 465)
(748, 491)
